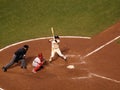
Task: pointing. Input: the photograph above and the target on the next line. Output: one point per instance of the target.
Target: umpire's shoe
(23, 67)
(4, 69)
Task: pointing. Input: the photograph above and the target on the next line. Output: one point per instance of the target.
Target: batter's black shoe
(65, 58)
(50, 61)
(4, 69)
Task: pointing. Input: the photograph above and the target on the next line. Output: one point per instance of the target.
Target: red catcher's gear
(40, 56)
(38, 66)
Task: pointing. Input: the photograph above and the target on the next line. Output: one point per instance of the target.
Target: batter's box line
(72, 55)
(103, 77)
(83, 77)
(77, 56)
(91, 75)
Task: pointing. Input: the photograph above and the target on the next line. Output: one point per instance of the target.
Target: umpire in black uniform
(19, 55)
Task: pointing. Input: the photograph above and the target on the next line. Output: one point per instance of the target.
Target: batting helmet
(56, 37)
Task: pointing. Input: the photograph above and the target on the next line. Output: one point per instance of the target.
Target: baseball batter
(55, 48)
(38, 62)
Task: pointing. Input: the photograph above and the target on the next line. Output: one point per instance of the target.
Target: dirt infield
(96, 61)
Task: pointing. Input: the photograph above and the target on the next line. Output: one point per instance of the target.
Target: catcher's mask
(40, 56)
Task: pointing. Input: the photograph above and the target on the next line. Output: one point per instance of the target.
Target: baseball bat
(52, 32)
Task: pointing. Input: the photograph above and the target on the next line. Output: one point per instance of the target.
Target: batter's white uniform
(55, 49)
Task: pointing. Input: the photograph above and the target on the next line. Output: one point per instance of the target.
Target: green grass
(25, 19)
(118, 41)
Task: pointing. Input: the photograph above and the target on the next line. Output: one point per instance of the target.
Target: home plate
(70, 66)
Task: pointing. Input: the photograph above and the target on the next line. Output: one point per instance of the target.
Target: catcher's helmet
(40, 56)
(56, 37)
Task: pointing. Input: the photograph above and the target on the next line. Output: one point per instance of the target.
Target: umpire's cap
(26, 46)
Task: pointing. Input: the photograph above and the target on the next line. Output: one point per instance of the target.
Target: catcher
(55, 48)
(38, 63)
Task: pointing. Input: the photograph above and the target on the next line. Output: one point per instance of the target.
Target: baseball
(70, 66)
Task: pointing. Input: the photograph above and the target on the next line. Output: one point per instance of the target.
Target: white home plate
(70, 66)
(1, 89)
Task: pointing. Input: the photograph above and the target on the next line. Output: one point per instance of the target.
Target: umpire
(19, 55)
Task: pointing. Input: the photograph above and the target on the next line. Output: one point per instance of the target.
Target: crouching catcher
(38, 63)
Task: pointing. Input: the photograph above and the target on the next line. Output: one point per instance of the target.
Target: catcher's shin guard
(37, 68)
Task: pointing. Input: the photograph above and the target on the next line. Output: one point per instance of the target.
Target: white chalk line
(72, 55)
(87, 77)
(83, 77)
(42, 39)
(101, 47)
(96, 75)
(91, 75)
(76, 56)
(77, 63)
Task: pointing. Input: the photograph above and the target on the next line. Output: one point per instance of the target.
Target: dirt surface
(96, 61)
